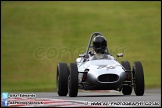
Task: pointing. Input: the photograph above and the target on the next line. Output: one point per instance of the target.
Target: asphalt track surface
(150, 97)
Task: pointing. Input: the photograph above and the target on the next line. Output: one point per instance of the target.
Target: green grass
(61, 30)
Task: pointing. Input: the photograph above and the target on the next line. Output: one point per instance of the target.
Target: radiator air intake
(108, 78)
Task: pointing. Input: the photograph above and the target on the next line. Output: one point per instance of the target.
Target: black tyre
(127, 89)
(62, 79)
(73, 80)
(138, 76)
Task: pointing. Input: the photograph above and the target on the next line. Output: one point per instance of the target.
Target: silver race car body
(103, 74)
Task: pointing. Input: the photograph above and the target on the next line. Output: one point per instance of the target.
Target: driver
(99, 46)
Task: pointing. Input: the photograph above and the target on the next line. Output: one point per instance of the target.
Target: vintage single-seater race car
(99, 74)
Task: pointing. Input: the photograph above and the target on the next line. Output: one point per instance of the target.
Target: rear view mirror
(81, 55)
(78, 60)
(120, 55)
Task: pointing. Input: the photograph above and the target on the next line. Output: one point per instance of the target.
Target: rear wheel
(138, 75)
(62, 79)
(73, 80)
(127, 89)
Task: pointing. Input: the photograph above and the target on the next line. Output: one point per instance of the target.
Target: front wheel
(127, 89)
(73, 80)
(138, 75)
(62, 79)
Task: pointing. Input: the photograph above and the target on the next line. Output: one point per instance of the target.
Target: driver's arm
(87, 56)
(91, 53)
